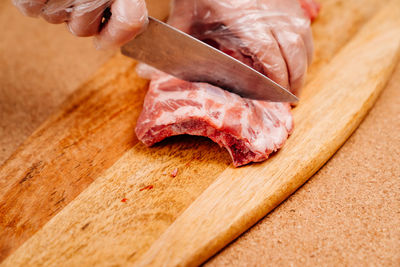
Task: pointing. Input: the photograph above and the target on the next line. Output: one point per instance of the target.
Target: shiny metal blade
(187, 58)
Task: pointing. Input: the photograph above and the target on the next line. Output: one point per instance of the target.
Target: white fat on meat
(249, 129)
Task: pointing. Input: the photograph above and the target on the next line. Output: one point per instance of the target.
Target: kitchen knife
(183, 56)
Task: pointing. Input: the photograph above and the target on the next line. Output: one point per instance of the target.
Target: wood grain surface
(69, 151)
(38, 72)
(102, 120)
(91, 130)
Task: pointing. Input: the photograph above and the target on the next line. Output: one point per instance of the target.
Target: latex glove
(112, 22)
(272, 36)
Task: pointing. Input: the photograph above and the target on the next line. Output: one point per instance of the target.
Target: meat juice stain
(174, 173)
(149, 187)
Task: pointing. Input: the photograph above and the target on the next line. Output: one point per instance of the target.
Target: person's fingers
(85, 24)
(182, 15)
(302, 27)
(294, 52)
(265, 49)
(55, 11)
(307, 37)
(298, 20)
(31, 8)
(55, 17)
(128, 17)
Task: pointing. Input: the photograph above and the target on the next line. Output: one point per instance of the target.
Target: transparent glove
(113, 22)
(272, 36)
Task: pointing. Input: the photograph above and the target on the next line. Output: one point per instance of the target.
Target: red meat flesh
(250, 130)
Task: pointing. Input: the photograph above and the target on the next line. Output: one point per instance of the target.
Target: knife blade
(185, 57)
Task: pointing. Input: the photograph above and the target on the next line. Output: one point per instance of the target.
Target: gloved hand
(272, 36)
(112, 22)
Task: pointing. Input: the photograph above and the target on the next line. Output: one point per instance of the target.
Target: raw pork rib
(249, 129)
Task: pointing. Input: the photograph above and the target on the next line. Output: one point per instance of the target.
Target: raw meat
(250, 130)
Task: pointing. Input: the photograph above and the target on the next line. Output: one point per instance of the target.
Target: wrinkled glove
(112, 22)
(272, 36)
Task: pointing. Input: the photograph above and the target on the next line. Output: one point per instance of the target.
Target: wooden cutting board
(208, 199)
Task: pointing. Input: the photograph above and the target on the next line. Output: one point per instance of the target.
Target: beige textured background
(348, 213)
